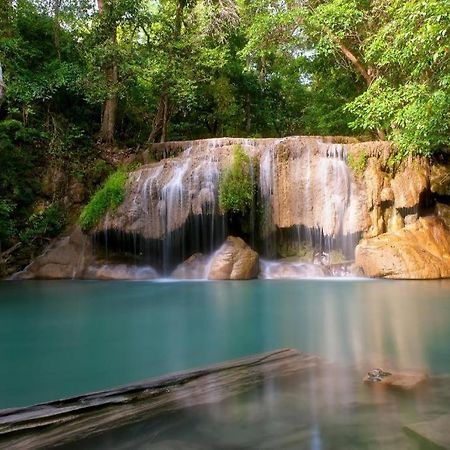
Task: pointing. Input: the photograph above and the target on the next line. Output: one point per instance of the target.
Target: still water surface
(62, 338)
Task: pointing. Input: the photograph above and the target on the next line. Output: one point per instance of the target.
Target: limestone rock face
(66, 257)
(194, 268)
(421, 250)
(443, 212)
(296, 176)
(409, 184)
(235, 260)
(440, 179)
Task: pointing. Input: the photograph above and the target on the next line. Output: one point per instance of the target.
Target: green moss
(107, 198)
(237, 187)
(357, 162)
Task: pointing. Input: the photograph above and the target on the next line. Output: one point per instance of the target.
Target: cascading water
(310, 200)
(308, 203)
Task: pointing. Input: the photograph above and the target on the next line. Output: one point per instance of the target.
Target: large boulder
(421, 250)
(194, 268)
(65, 257)
(235, 260)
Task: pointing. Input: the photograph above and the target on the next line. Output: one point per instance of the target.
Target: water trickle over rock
(307, 197)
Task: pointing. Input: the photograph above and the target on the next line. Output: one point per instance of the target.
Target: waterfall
(308, 204)
(310, 198)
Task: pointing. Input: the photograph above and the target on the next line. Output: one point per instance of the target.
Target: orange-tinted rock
(405, 380)
(440, 179)
(419, 251)
(235, 260)
(409, 184)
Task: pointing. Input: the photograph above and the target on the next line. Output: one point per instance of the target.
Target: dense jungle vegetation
(82, 78)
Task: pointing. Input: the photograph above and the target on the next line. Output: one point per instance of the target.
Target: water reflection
(76, 337)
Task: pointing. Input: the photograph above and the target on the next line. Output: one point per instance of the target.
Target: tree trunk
(2, 85)
(56, 27)
(162, 118)
(109, 110)
(248, 116)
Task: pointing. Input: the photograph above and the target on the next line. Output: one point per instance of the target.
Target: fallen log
(71, 419)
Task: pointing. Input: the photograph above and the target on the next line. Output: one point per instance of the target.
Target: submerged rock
(418, 251)
(434, 432)
(405, 380)
(119, 272)
(290, 270)
(194, 268)
(235, 260)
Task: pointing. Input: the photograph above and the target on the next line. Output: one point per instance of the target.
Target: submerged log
(434, 434)
(71, 419)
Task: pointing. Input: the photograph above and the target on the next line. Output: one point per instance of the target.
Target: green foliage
(237, 186)
(46, 223)
(357, 162)
(107, 198)
(7, 225)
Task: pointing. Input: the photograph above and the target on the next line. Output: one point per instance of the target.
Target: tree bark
(248, 116)
(109, 112)
(2, 85)
(56, 27)
(162, 118)
(109, 109)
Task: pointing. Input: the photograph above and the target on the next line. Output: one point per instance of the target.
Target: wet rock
(394, 220)
(162, 196)
(419, 251)
(411, 218)
(290, 270)
(119, 272)
(194, 268)
(65, 257)
(235, 260)
(443, 212)
(404, 380)
(440, 179)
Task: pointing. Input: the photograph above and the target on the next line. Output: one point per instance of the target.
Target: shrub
(7, 225)
(357, 162)
(46, 223)
(237, 187)
(108, 198)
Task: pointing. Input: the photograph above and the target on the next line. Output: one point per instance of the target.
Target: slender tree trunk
(248, 116)
(2, 85)
(56, 27)
(109, 109)
(162, 118)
